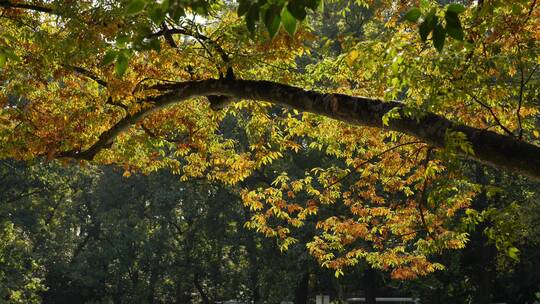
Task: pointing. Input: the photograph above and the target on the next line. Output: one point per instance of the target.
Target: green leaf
(3, 59)
(151, 44)
(455, 32)
(312, 4)
(439, 35)
(424, 30)
(121, 64)
(453, 26)
(109, 57)
(455, 8)
(122, 40)
(413, 14)
(432, 20)
(11, 55)
(243, 7)
(289, 22)
(157, 15)
(176, 12)
(513, 253)
(297, 9)
(165, 4)
(272, 20)
(135, 6)
(252, 17)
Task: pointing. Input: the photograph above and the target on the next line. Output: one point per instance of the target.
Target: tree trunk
(483, 253)
(301, 293)
(200, 289)
(182, 296)
(152, 286)
(370, 285)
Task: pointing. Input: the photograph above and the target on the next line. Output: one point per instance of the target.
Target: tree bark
(498, 150)
(370, 286)
(301, 293)
(200, 289)
(483, 253)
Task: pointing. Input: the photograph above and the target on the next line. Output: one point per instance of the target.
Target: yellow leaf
(351, 58)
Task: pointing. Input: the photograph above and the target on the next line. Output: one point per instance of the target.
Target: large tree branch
(32, 7)
(489, 147)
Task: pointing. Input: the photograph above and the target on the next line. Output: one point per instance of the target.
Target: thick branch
(489, 147)
(32, 7)
(168, 37)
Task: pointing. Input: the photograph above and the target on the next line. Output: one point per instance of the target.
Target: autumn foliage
(72, 71)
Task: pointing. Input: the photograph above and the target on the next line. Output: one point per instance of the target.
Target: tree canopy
(229, 91)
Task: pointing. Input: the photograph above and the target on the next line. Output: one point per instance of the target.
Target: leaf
(243, 7)
(153, 44)
(157, 15)
(312, 4)
(455, 8)
(289, 22)
(165, 4)
(455, 32)
(252, 17)
(11, 55)
(453, 26)
(121, 64)
(413, 14)
(122, 40)
(424, 30)
(272, 21)
(135, 6)
(109, 57)
(439, 35)
(176, 12)
(351, 57)
(3, 59)
(432, 19)
(513, 253)
(297, 10)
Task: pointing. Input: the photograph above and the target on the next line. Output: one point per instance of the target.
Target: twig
(423, 199)
(520, 100)
(88, 74)
(497, 121)
(369, 160)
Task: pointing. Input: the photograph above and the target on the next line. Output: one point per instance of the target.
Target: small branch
(423, 198)
(150, 133)
(110, 102)
(198, 36)
(409, 233)
(168, 37)
(14, 199)
(532, 73)
(369, 160)
(497, 121)
(531, 9)
(520, 101)
(88, 74)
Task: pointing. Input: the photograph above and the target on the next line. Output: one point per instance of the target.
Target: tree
(63, 98)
